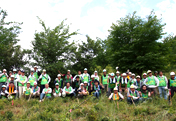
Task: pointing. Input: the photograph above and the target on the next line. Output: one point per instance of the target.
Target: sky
(90, 17)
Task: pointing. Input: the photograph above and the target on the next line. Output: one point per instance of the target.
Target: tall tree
(11, 54)
(132, 43)
(51, 48)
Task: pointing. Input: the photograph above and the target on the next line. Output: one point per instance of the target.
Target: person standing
(172, 84)
(111, 83)
(104, 79)
(3, 78)
(36, 72)
(68, 79)
(162, 85)
(152, 82)
(22, 83)
(86, 76)
(123, 83)
(45, 79)
(32, 78)
(76, 84)
(144, 77)
(96, 75)
(80, 76)
(131, 81)
(138, 84)
(118, 77)
(59, 80)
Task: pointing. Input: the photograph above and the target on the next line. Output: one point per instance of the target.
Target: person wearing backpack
(133, 95)
(162, 85)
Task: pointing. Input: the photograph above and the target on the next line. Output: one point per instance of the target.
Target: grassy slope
(93, 109)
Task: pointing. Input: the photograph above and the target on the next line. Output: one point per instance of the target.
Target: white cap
(57, 84)
(35, 83)
(95, 71)
(4, 70)
(117, 72)
(85, 82)
(14, 70)
(81, 84)
(58, 75)
(117, 68)
(12, 76)
(149, 71)
(132, 86)
(144, 74)
(44, 70)
(172, 73)
(35, 66)
(104, 70)
(85, 69)
(112, 74)
(69, 70)
(32, 70)
(138, 76)
(132, 74)
(28, 82)
(115, 88)
(92, 76)
(3, 86)
(124, 74)
(129, 73)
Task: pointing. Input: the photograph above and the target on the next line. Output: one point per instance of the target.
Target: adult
(172, 83)
(138, 83)
(46, 92)
(144, 77)
(133, 95)
(96, 89)
(4, 93)
(59, 80)
(80, 76)
(104, 79)
(116, 95)
(16, 76)
(82, 91)
(123, 83)
(91, 80)
(36, 72)
(69, 90)
(45, 79)
(68, 79)
(32, 78)
(36, 90)
(3, 78)
(111, 83)
(27, 91)
(152, 82)
(69, 73)
(162, 85)
(76, 84)
(57, 92)
(22, 83)
(11, 89)
(86, 76)
(131, 81)
(145, 94)
(156, 73)
(96, 75)
(128, 75)
(118, 77)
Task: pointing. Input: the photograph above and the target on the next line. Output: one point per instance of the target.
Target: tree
(132, 43)
(11, 56)
(51, 48)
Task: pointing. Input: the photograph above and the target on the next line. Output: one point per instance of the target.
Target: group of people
(115, 86)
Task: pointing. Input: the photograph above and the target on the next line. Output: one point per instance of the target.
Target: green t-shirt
(3, 78)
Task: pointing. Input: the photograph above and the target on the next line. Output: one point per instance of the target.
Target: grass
(101, 109)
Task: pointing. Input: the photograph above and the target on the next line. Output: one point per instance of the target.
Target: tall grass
(57, 109)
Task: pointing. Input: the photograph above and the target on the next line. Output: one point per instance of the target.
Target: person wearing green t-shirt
(152, 82)
(46, 92)
(162, 85)
(45, 79)
(22, 83)
(57, 92)
(172, 84)
(27, 91)
(145, 94)
(104, 80)
(32, 78)
(86, 76)
(3, 78)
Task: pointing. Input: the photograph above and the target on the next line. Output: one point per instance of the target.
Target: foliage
(132, 43)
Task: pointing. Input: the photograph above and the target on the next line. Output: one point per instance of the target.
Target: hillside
(94, 109)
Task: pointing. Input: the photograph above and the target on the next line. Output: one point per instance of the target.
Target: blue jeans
(42, 95)
(96, 94)
(130, 101)
(162, 91)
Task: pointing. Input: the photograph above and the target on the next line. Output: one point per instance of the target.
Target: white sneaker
(40, 101)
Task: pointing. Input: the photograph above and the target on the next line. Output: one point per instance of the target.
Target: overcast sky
(91, 17)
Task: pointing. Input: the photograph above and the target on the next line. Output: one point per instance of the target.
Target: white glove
(34, 93)
(2, 94)
(165, 88)
(135, 98)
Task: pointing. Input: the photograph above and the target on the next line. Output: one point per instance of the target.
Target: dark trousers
(173, 90)
(129, 100)
(41, 88)
(71, 95)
